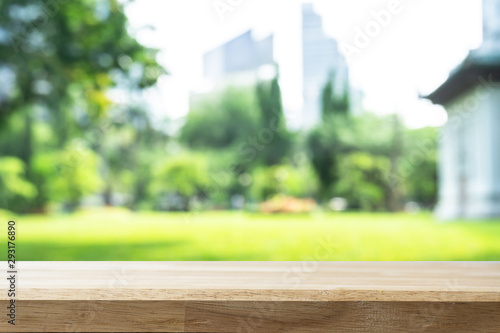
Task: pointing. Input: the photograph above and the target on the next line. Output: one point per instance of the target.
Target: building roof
(477, 68)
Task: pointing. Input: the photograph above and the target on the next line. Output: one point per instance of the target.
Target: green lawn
(119, 235)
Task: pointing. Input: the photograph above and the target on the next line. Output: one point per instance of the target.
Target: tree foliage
(58, 61)
(324, 143)
(184, 175)
(222, 120)
(273, 121)
(334, 99)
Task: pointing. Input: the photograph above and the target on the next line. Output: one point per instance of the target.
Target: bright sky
(411, 55)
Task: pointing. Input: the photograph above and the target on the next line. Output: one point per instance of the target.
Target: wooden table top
(259, 281)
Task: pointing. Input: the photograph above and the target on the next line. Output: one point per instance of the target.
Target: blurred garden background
(90, 172)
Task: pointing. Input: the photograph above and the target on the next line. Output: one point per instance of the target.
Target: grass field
(120, 235)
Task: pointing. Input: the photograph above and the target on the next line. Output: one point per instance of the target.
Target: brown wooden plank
(256, 297)
(97, 316)
(227, 316)
(246, 317)
(287, 281)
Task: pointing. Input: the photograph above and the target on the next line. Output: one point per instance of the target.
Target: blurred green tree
(274, 136)
(324, 142)
(334, 100)
(297, 181)
(364, 181)
(76, 175)
(59, 59)
(131, 146)
(185, 175)
(15, 190)
(324, 148)
(417, 170)
(221, 120)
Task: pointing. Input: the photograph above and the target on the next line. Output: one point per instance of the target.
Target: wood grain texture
(256, 297)
(342, 317)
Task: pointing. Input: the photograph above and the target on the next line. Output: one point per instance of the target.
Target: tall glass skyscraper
(320, 58)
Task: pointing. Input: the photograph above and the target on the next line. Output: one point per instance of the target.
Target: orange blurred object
(285, 204)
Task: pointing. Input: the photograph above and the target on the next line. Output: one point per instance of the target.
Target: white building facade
(238, 60)
(469, 144)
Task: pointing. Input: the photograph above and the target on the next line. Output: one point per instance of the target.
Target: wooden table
(255, 297)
